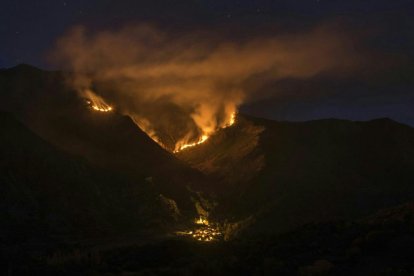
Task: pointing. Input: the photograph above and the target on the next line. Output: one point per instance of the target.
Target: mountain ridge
(356, 167)
(274, 171)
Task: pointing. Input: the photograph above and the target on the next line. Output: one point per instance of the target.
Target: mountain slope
(46, 193)
(294, 173)
(47, 105)
(282, 174)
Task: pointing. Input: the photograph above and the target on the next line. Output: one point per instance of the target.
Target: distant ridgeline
(69, 171)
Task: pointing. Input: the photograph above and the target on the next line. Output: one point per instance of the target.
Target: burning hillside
(204, 137)
(180, 90)
(185, 146)
(97, 103)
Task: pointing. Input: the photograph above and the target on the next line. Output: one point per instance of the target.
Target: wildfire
(184, 146)
(101, 108)
(96, 102)
(204, 137)
(232, 120)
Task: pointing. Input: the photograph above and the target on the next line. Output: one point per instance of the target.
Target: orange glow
(205, 231)
(202, 78)
(204, 137)
(185, 146)
(232, 119)
(145, 125)
(96, 102)
(201, 221)
(101, 109)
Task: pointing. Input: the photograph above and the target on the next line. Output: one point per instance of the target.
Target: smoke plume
(180, 88)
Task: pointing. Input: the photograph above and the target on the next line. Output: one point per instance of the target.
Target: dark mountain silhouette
(288, 174)
(47, 193)
(380, 244)
(291, 198)
(45, 103)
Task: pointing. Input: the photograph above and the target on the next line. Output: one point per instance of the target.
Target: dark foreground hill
(45, 103)
(83, 192)
(286, 174)
(47, 194)
(381, 244)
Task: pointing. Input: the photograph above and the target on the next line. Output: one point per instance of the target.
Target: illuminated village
(205, 231)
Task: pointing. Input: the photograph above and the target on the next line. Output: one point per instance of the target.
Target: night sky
(29, 29)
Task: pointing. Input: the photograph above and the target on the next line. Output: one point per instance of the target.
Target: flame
(96, 102)
(204, 137)
(201, 221)
(232, 120)
(189, 145)
(101, 108)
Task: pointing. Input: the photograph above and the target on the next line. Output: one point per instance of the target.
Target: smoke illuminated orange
(97, 103)
(204, 137)
(232, 119)
(181, 89)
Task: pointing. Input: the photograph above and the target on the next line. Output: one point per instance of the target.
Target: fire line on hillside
(97, 103)
(205, 137)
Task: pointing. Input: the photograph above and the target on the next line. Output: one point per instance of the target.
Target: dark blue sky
(28, 30)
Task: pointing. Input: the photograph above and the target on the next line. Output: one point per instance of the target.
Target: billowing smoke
(180, 88)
